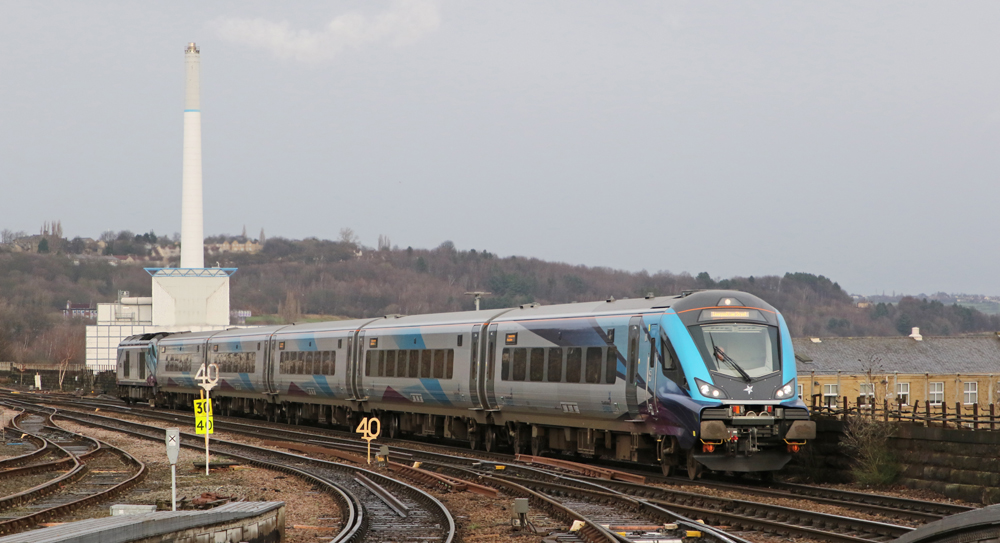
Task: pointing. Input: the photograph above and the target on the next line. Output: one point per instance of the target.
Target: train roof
(436, 319)
(184, 336)
(326, 326)
(248, 331)
(607, 307)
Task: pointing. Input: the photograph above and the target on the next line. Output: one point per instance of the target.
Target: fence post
(975, 416)
(944, 415)
(927, 414)
(913, 412)
(885, 410)
(992, 414)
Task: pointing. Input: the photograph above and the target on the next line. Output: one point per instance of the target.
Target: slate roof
(936, 355)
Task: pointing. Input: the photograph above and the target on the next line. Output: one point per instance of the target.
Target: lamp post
(478, 295)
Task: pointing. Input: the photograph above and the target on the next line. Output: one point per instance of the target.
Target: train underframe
(484, 432)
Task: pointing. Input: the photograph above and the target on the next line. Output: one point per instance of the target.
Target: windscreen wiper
(719, 353)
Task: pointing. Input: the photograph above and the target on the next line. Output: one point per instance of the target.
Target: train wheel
(537, 447)
(491, 439)
(393, 426)
(693, 467)
(520, 443)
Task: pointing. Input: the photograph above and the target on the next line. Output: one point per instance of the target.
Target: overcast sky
(854, 140)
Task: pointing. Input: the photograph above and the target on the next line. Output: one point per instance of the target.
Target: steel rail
(435, 508)
(774, 519)
(75, 474)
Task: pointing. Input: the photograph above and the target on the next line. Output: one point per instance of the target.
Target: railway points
(554, 490)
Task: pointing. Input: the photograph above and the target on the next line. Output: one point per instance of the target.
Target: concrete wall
(266, 528)
(959, 464)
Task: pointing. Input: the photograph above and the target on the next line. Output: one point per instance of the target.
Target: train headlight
(786, 391)
(711, 392)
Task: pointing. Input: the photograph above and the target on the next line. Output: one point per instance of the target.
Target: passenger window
(450, 369)
(142, 365)
(519, 364)
(611, 367)
(368, 364)
(381, 363)
(537, 364)
(594, 364)
(309, 363)
(126, 366)
(439, 364)
(414, 363)
(667, 352)
(425, 363)
(390, 363)
(505, 365)
(300, 367)
(574, 364)
(555, 365)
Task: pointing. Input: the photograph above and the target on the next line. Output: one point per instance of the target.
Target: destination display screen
(730, 314)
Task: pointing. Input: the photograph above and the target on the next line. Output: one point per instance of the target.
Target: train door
(349, 366)
(474, 370)
(359, 365)
(652, 332)
(490, 355)
(270, 355)
(632, 366)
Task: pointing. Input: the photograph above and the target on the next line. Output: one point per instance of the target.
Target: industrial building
(190, 298)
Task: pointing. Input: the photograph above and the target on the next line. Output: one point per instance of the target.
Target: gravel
(304, 505)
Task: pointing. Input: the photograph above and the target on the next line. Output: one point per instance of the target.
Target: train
(701, 380)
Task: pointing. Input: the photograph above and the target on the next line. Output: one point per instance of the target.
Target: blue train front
(727, 357)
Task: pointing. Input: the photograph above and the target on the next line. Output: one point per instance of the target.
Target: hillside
(299, 279)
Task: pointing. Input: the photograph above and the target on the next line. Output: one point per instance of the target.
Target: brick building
(902, 370)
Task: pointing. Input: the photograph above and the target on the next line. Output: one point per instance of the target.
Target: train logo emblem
(748, 389)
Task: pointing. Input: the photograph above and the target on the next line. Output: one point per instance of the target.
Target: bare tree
(867, 437)
(348, 236)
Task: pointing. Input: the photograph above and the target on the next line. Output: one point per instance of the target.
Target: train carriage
(135, 367)
(705, 379)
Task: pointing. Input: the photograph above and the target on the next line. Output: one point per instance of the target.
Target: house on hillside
(86, 311)
(902, 370)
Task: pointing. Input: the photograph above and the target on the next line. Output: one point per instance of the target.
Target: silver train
(703, 379)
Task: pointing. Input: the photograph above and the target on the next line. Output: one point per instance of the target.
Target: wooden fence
(966, 417)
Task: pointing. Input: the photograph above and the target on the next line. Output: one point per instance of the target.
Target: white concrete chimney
(192, 222)
(915, 334)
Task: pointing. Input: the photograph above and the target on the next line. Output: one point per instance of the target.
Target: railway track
(738, 514)
(90, 472)
(889, 507)
(374, 507)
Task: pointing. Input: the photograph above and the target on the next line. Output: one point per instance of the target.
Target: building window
(867, 390)
(971, 392)
(935, 393)
(830, 394)
(903, 393)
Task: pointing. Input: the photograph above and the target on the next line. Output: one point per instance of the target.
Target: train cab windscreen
(740, 350)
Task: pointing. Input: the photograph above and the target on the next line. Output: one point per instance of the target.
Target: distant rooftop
(958, 354)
